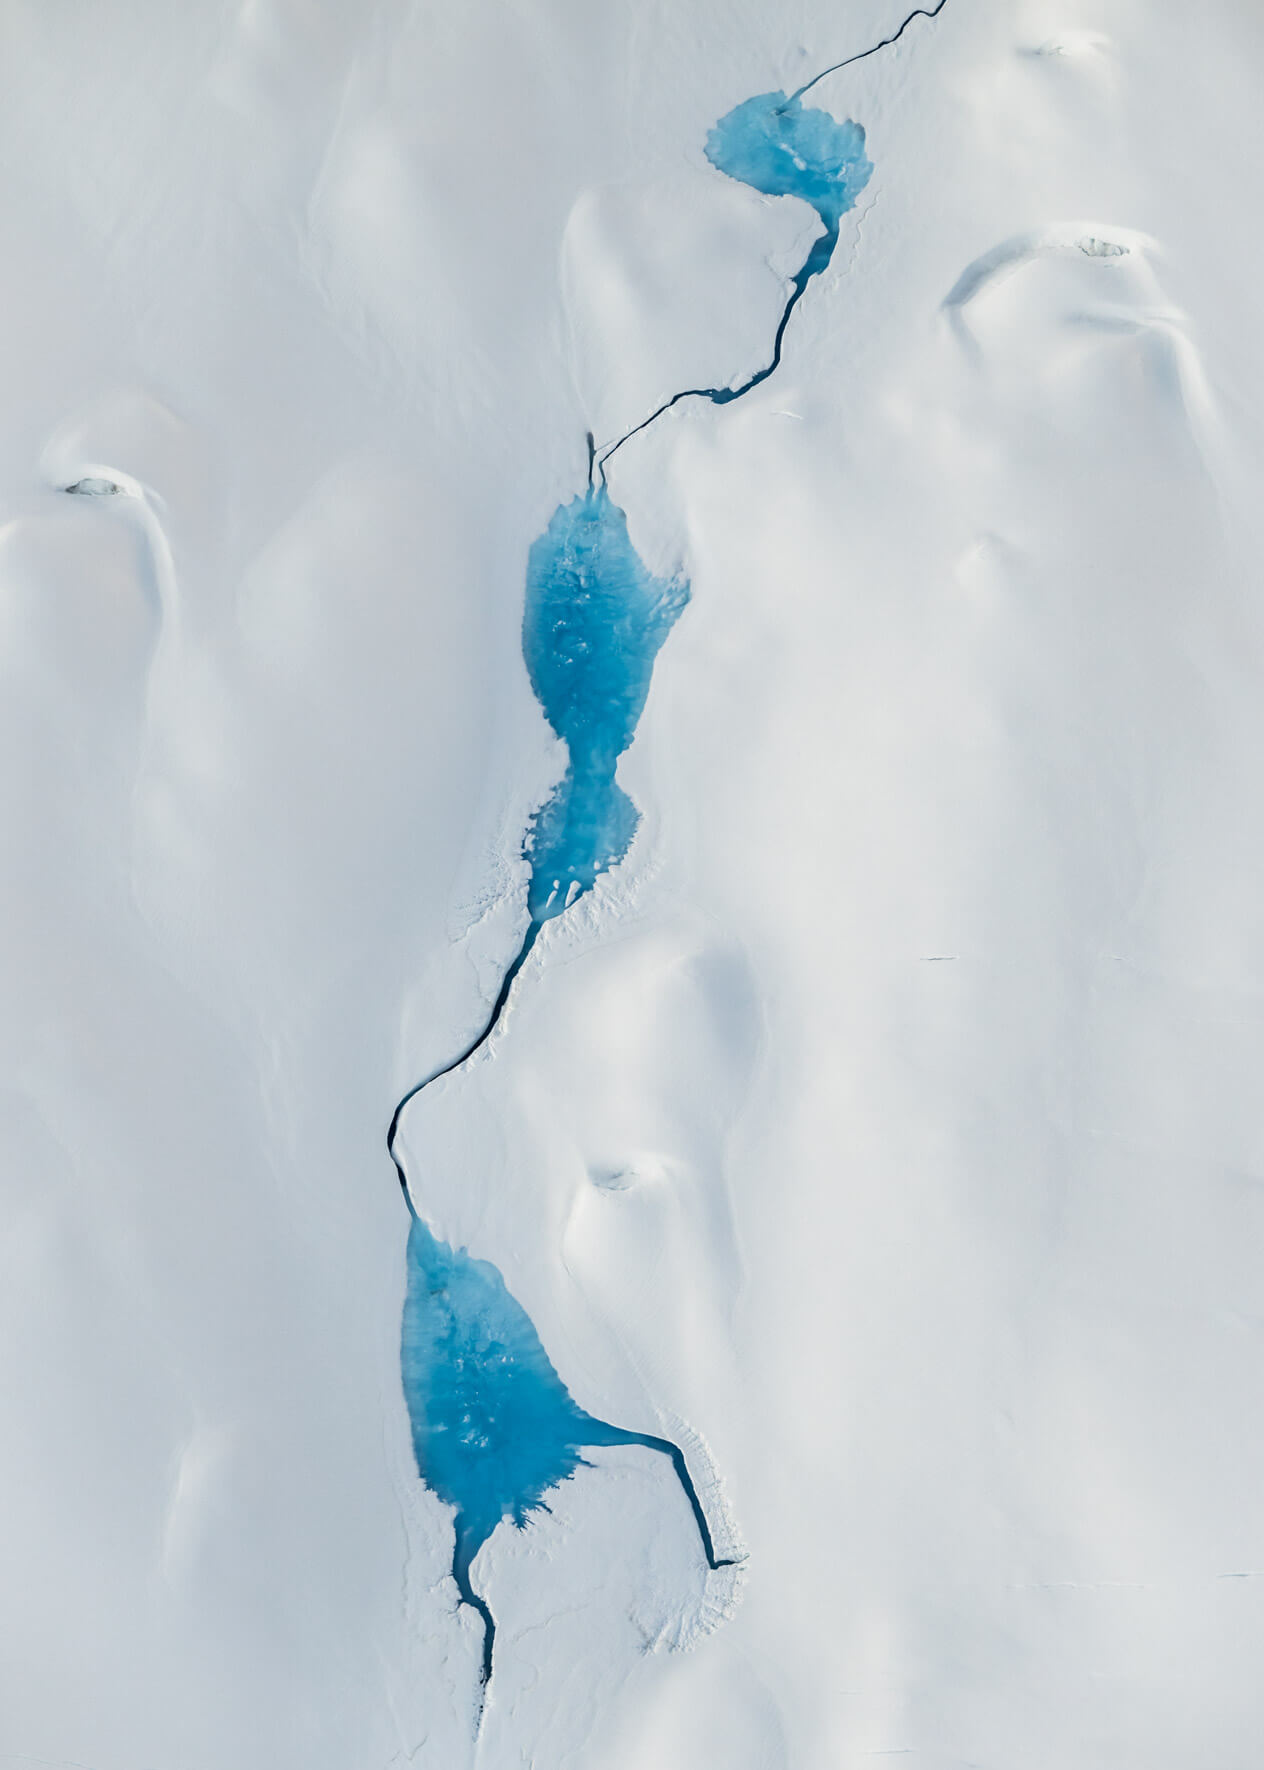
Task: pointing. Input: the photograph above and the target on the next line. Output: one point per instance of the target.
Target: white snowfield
(887, 1129)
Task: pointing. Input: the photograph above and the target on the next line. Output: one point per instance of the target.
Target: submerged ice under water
(493, 1425)
(784, 148)
(591, 629)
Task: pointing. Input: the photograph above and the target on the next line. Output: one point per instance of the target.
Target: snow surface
(883, 1130)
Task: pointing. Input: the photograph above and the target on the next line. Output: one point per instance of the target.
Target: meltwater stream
(779, 147)
(493, 1425)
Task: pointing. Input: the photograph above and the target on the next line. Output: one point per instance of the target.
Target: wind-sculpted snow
(594, 621)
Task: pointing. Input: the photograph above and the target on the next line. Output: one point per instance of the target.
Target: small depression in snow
(93, 487)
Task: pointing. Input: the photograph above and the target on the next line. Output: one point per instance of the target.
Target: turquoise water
(786, 149)
(783, 148)
(593, 623)
(493, 1425)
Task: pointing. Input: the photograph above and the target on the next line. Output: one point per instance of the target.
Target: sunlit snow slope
(880, 1130)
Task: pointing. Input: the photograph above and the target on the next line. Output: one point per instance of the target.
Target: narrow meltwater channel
(493, 1426)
